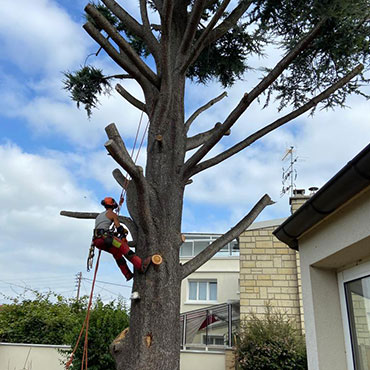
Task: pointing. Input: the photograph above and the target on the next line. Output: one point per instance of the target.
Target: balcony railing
(195, 243)
(210, 329)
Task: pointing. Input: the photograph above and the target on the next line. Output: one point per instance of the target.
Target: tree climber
(116, 243)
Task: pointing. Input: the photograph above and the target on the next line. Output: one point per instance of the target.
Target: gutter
(349, 181)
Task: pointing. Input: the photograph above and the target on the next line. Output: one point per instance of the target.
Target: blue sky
(53, 157)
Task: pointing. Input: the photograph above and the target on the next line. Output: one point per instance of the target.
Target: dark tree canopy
(344, 42)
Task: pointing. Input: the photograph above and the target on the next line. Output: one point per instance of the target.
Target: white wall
(30, 357)
(337, 243)
(225, 271)
(202, 361)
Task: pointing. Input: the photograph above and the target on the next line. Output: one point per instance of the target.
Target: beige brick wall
(269, 274)
(297, 201)
(229, 359)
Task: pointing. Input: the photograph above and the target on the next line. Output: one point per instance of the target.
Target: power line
(106, 282)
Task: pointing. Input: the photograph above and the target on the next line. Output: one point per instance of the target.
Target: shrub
(52, 319)
(268, 343)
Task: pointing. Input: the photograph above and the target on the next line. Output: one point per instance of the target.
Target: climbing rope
(85, 325)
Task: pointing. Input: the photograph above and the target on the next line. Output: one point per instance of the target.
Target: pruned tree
(325, 47)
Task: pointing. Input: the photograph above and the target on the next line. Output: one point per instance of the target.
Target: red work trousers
(119, 249)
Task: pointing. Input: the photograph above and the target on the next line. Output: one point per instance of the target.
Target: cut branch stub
(120, 178)
(157, 259)
(130, 98)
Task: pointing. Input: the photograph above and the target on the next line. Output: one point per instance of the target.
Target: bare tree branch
(92, 216)
(122, 158)
(233, 233)
(143, 32)
(118, 151)
(198, 46)
(113, 133)
(131, 23)
(122, 43)
(249, 98)
(230, 21)
(120, 178)
(152, 42)
(131, 99)
(120, 76)
(120, 59)
(197, 140)
(192, 26)
(279, 122)
(200, 110)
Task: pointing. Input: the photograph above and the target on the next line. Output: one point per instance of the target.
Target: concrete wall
(30, 357)
(269, 273)
(202, 361)
(15, 356)
(339, 242)
(224, 270)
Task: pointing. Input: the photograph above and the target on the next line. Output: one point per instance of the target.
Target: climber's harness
(97, 233)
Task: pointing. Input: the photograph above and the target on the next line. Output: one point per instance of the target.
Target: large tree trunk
(153, 340)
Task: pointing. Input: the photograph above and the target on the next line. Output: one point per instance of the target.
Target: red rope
(85, 324)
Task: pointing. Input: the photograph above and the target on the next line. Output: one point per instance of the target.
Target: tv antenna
(289, 174)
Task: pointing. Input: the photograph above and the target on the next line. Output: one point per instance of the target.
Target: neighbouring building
(331, 231)
(209, 305)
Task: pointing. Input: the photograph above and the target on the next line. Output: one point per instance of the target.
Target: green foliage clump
(39, 320)
(225, 60)
(270, 343)
(342, 44)
(106, 322)
(85, 85)
(52, 319)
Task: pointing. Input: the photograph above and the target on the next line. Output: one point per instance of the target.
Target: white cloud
(33, 191)
(45, 33)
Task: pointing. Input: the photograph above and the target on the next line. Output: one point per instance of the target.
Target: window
(354, 290)
(202, 290)
(358, 306)
(214, 340)
(195, 244)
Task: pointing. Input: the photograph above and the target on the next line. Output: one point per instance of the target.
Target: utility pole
(78, 282)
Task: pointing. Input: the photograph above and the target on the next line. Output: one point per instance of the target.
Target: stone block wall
(269, 274)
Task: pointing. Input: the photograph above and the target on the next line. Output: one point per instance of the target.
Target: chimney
(298, 199)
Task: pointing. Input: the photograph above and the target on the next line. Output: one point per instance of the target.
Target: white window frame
(214, 338)
(345, 276)
(226, 251)
(207, 300)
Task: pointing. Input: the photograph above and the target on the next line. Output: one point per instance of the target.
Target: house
(209, 305)
(217, 281)
(270, 271)
(331, 231)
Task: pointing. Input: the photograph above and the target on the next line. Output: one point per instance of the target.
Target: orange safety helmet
(109, 202)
